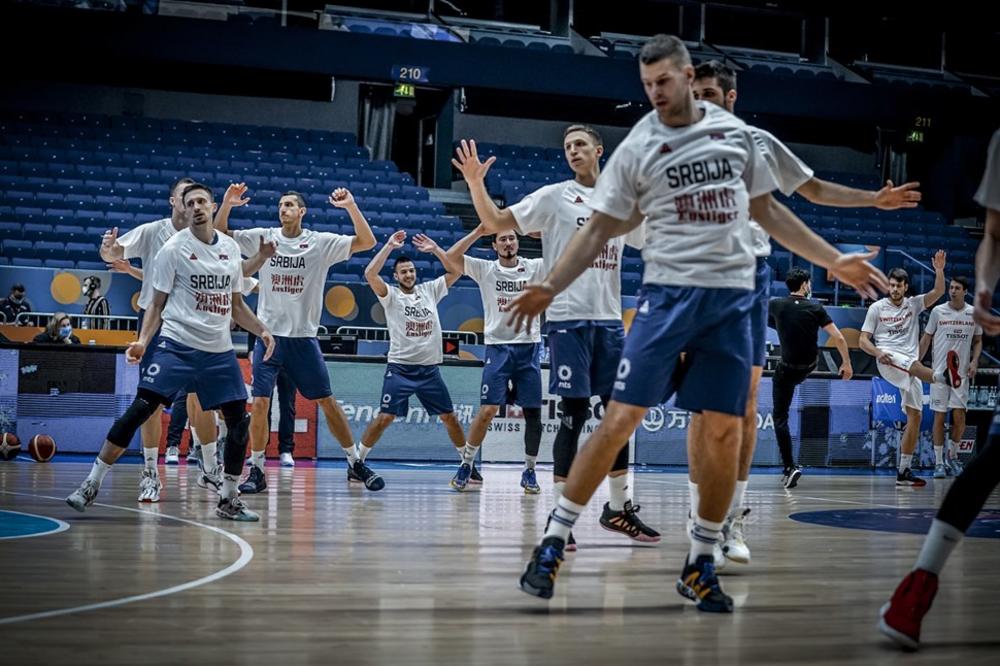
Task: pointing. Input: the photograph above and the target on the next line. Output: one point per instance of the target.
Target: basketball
(10, 446)
(42, 448)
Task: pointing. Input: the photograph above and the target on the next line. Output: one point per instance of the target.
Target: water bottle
(973, 396)
(983, 396)
(992, 398)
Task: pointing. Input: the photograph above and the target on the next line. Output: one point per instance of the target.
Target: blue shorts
(518, 363)
(758, 316)
(712, 326)
(215, 377)
(402, 381)
(302, 361)
(583, 357)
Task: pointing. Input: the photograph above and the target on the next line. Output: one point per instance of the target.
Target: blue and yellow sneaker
(530, 482)
(539, 577)
(461, 479)
(699, 583)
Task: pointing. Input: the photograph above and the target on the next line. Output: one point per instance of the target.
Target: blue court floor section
(906, 521)
(17, 525)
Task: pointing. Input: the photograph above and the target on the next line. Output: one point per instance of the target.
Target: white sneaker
(83, 496)
(287, 460)
(733, 545)
(173, 456)
(149, 486)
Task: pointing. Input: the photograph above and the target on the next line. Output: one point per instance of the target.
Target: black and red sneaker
(907, 478)
(954, 376)
(627, 522)
(901, 617)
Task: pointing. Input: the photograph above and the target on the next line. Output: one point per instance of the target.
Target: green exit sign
(405, 90)
(915, 136)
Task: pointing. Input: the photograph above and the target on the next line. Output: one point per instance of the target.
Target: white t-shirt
(694, 185)
(789, 172)
(144, 242)
(953, 330)
(895, 328)
(290, 298)
(558, 211)
(499, 286)
(413, 323)
(200, 280)
(988, 194)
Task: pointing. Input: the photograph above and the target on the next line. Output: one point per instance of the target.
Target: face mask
(65, 331)
(16, 299)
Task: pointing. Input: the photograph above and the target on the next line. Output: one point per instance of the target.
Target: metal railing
(82, 321)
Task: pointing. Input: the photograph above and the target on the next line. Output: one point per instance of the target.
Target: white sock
(704, 535)
(230, 483)
(208, 456)
(363, 452)
(738, 495)
(952, 449)
(693, 498)
(941, 540)
(562, 519)
(939, 455)
(557, 489)
(98, 471)
(257, 459)
(352, 454)
(904, 461)
(149, 457)
(529, 461)
(223, 428)
(619, 492)
(939, 378)
(469, 453)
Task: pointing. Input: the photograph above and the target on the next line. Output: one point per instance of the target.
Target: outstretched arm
(454, 261)
(425, 244)
(890, 197)
(233, 198)
(493, 219)
(363, 238)
(375, 281)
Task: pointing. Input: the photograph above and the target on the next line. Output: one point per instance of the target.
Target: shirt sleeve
(336, 247)
(438, 288)
(164, 269)
(616, 193)
(134, 243)
(248, 240)
(918, 303)
(932, 323)
(476, 268)
(822, 316)
(389, 298)
(536, 211)
(757, 176)
(637, 237)
(789, 172)
(871, 319)
(988, 194)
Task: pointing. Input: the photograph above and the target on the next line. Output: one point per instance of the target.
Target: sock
(149, 456)
(738, 494)
(704, 535)
(195, 441)
(352, 454)
(693, 498)
(223, 428)
(939, 378)
(363, 452)
(941, 540)
(939, 455)
(557, 489)
(562, 519)
(208, 457)
(529, 462)
(904, 461)
(619, 492)
(952, 449)
(469, 453)
(257, 459)
(229, 485)
(98, 471)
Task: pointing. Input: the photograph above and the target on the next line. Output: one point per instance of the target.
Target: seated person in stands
(14, 304)
(58, 332)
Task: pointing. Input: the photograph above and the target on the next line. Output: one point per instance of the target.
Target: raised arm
(265, 250)
(110, 249)
(233, 198)
(375, 281)
(124, 266)
(493, 219)
(890, 197)
(852, 269)
(932, 296)
(363, 239)
(425, 244)
(454, 261)
(247, 320)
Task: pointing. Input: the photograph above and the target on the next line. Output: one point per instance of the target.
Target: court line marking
(246, 554)
(61, 525)
(793, 495)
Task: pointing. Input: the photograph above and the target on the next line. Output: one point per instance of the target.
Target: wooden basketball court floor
(419, 574)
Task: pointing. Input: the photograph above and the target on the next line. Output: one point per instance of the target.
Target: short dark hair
(298, 197)
(796, 278)
(586, 129)
(660, 47)
(197, 186)
(899, 275)
(962, 280)
(721, 72)
(401, 259)
(180, 181)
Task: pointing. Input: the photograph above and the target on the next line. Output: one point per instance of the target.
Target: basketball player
(694, 172)
(289, 304)
(584, 324)
(890, 334)
(415, 351)
(511, 357)
(798, 321)
(901, 617)
(716, 83)
(196, 280)
(956, 339)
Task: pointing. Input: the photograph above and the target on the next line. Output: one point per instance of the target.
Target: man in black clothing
(14, 304)
(798, 321)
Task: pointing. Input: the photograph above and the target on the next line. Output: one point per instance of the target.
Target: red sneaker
(901, 617)
(953, 374)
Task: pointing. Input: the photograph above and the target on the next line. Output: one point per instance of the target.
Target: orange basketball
(42, 448)
(10, 446)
